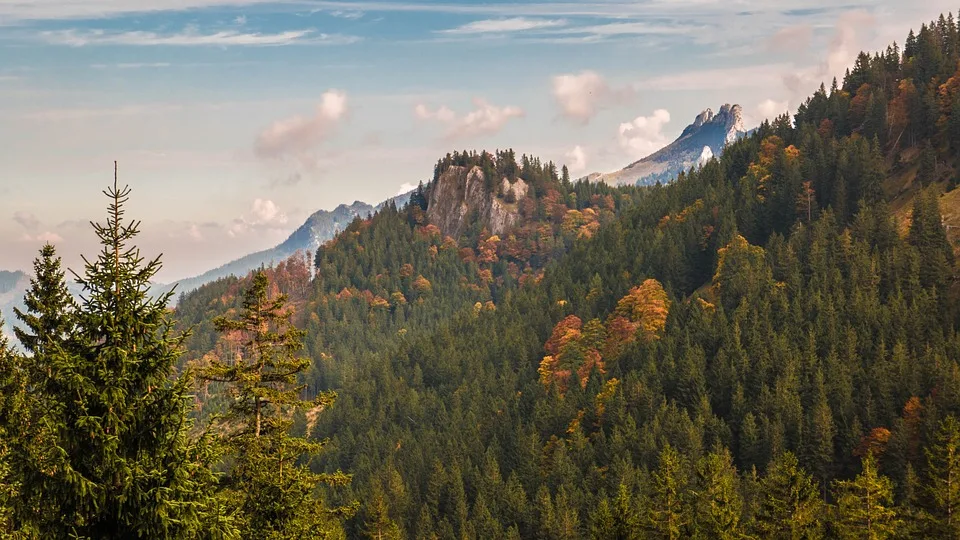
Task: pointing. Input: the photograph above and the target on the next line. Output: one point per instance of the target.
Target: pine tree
(943, 472)
(275, 495)
(50, 308)
(790, 504)
(110, 455)
(865, 504)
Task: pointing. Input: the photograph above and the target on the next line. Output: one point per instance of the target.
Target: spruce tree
(943, 472)
(668, 514)
(719, 503)
(276, 495)
(378, 525)
(110, 455)
(929, 236)
(11, 393)
(790, 504)
(927, 169)
(865, 504)
(50, 308)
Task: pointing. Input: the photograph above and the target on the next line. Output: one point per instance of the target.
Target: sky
(234, 120)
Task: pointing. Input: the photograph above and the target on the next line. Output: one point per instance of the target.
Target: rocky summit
(705, 138)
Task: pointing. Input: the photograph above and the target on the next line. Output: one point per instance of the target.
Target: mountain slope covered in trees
(766, 347)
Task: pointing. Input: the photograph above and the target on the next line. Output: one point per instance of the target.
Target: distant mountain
(12, 287)
(704, 138)
(317, 229)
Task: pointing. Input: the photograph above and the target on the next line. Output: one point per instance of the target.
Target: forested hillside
(766, 347)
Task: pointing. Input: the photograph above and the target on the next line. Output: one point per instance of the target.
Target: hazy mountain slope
(317, 229)
(704, 138)
(12, 287)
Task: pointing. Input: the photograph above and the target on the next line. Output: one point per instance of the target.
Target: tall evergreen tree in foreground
(102, 447)
(275, 495)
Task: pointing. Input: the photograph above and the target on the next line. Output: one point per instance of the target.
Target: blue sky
(235, 119)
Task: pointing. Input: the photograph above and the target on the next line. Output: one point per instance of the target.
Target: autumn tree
(646, 307)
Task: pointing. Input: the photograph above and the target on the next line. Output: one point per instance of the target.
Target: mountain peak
(706, 137)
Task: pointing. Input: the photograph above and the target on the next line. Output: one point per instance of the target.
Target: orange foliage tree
(641, 313)
(571, 347)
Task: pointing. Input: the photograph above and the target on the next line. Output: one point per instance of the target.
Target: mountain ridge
(319, 227)
(705, 138)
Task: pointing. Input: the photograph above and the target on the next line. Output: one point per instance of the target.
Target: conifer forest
(766, 347)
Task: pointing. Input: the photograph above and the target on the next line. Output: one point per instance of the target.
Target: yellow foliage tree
(646, 306)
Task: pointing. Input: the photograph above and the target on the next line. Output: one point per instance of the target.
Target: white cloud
(580, 95)
(631, 28)
(644, 135)
(847, 42)
(485, 119)
(717, 79)
(443, 114)
(500, 26)
(769, 109)
(405, 188)
(46, 237)
(265, 211)
(131, 65)
(350, 15)
(791, 38)
(576, 159)
(264, 214)
(60, 115)
(189, 37)
(27, 220)
(299, 134)
(240, 20)
(709, 10)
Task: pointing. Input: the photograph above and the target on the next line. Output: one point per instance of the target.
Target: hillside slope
(766, 324)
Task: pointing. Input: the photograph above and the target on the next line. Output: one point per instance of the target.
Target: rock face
(704, 138)
(461, 197)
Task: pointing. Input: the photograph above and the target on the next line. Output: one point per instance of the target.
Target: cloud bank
(581, 95)
(485, 119)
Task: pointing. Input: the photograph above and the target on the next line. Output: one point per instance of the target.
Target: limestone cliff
(460, 197)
